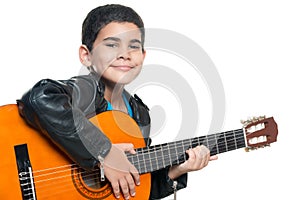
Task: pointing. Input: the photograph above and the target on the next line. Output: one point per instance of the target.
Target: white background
(255, 46)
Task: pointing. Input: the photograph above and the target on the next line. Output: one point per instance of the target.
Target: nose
(124, 54)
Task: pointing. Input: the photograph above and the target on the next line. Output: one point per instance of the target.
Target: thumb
(126, 147)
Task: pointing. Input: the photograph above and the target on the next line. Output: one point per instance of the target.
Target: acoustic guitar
(34, 168)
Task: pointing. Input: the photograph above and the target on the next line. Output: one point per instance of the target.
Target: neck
(113, 91)
(113, 94)
(156, 157)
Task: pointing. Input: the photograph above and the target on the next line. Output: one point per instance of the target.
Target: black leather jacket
(61, 110)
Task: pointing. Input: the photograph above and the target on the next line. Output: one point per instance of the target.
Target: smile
(123, 67)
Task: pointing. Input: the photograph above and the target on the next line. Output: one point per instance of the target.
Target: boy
(112, 49)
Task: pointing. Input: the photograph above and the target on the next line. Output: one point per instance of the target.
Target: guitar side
(55, 175)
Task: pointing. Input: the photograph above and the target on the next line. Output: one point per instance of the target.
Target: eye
(112, 45)
(135, 46)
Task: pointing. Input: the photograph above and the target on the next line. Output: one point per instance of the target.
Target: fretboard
(152, 158)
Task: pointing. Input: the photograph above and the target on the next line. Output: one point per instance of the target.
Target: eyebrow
(113, 39)
(135, 40)
(118, 40)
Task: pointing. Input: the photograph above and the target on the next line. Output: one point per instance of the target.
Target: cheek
(136, 72)
(102, 61)
(139, 59)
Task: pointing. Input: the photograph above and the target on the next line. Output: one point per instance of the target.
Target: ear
(144, 54)
(84, 56)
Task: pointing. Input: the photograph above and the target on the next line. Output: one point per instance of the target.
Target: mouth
(124, 68)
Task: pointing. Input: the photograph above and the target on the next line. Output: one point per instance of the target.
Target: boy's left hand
(198, 159)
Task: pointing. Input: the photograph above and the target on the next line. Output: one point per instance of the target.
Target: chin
(124, 80)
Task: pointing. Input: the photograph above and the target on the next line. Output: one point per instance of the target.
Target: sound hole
(89, 185)
(92, 179)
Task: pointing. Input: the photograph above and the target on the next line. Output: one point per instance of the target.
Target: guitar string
(173, 146)
(54, 168)
(143, 150)
(194, 141)
(68, 166)
(90, 174)
(53, 189)
(46, 189)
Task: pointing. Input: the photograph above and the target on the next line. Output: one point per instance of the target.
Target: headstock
(260, 132)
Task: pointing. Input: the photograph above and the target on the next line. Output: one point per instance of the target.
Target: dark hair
(103, 15)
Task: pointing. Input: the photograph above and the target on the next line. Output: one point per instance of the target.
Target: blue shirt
(109, 106)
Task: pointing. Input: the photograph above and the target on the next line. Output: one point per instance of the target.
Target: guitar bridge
(25, 172)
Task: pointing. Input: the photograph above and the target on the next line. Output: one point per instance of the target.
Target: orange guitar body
(55, 175)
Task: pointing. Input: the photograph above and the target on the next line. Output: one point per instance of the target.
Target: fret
(134, 159)
(163, 157)
(159, 157)
(156, 157)
(176, 160)
(138, 163)
(212, 144)
(234, 137)
(240, 140)
(183, 150)
(204, 141)
(188, 143)
(222, 147)
(147, 158)
(169, 154)
(225, 141)
(141, 159)
(217, 144)
(231, 142)
(191, 143)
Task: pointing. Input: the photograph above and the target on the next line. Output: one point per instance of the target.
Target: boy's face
(117, 53)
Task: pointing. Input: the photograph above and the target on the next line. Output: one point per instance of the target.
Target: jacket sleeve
(162, 186)
(58, 110)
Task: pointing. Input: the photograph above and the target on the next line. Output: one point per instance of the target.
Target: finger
(131, 185)
(215, 157)
(207, 157)
(204, 150)
(192, 154)
(132, 151)
(135, 174)
(124, 187)
(116, 189)
(204, 155)
(130, 148)
(127, 147)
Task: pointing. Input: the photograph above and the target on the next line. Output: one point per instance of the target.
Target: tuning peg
(246, 122)
(262, 117)
(252, 120)
(247, 149)
(255, 119)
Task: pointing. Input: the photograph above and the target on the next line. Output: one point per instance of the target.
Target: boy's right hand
(122, 175)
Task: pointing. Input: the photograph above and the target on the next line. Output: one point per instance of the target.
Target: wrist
(175, 172)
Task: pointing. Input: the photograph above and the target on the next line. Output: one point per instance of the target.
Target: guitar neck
(156, 157)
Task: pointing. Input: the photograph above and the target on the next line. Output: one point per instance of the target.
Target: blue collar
(130, 113)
